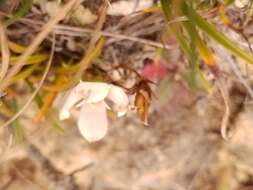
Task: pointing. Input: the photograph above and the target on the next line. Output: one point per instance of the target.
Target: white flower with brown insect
(93, 99)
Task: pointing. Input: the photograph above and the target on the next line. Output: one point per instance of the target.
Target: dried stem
(85, 61)
(5, 52)
(225, 120)
(80, 32)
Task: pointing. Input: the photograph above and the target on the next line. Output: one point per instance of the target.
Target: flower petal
(71, 98)
(119, 100)
(92, 122)
(93, 92)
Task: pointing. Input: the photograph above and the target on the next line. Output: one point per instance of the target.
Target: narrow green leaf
(196, 80)
(218, 36)
(56, 126)
(228, 2)
(24, 8)
(194, 76)
(205, 53)
(181, 40)
(33, 59)
(24, 74)
(209, 3)
(38, 98)
(166, 7)
(16, 126)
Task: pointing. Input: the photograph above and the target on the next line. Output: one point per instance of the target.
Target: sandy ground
(179, 150)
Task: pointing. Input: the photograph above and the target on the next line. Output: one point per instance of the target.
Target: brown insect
(143, 97)
(141, 90)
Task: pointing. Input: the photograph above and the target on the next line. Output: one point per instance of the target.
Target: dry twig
(225, 120)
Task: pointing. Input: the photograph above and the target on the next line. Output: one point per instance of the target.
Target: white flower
(93, 98)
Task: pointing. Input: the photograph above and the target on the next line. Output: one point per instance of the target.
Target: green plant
(189, 34)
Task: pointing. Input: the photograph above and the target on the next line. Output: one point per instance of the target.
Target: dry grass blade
(5, 52)
(85, 61)
(37, 89)
(46, 29)
(80, 32)
(47, 103)
(224, 123)
(236, 70)
(244, 82)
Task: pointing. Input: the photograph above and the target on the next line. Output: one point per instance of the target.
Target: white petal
(93, 92)
(89, 91)
(70, 99)
(119, 100)
(92, 122)
(122, 113)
